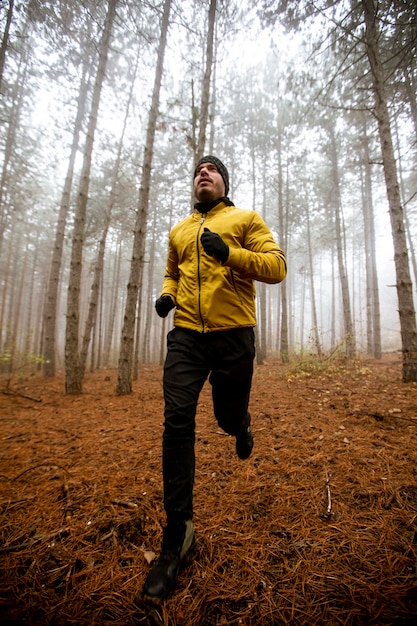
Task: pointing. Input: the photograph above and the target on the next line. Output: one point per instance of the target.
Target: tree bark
(347, 313)
(410, 89)
(73, 369)
(284, 339)
(407, 225)
(6, 208)
(4, 293)
(5, 39)
(314, 317)
(262, 309)
(262, 323)
(98, 269)
(114, 303)
(51, 302)
(15, 309)
(372, 292)
(124, 380)
(403, 277)
(205, 94)
(149, 311)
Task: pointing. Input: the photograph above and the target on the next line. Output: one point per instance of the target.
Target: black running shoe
(178, 545)
(244, 444)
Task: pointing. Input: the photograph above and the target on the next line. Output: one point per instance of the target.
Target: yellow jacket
(210, 296)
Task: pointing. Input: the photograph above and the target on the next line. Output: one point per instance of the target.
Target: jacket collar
(204, 207)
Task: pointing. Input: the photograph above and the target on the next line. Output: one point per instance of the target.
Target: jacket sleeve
(260, 258)
(170, 285)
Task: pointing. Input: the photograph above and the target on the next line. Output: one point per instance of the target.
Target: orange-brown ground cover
(318, 527)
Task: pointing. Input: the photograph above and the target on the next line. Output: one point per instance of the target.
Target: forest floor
(318, 527)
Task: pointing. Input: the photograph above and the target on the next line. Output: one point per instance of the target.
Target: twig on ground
(10, 392)
(16, 547)
(328, 512)
(125, 503)
(29, 469)
(380, 418)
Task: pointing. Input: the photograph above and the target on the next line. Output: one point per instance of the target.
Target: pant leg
(232, 358)
(185, 372)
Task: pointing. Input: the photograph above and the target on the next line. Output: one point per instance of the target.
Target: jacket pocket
(234, 285)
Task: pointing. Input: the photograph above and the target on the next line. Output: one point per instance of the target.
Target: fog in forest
(106, 107)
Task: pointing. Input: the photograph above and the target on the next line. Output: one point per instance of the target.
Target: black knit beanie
(222, 169)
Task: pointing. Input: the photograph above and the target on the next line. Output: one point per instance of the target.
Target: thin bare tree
(373, 315)
(51, 301)
(343, 276)
(5, 39)
(98, 269)
(314, 316)
(124, 378)
(73, 369)
(205, 92)
(402, 268)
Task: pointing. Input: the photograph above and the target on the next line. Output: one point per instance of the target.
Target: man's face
(208, 183)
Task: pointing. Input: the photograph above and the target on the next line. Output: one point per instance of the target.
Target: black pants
(227, 359)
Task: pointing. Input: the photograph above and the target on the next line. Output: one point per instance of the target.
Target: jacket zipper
(203, 217)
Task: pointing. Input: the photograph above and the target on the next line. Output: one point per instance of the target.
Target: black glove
(163, 305)
(214, 245)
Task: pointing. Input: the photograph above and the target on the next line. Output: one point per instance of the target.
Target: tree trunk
(212, 115)
(114, 303)
(149, 311)
(51, 302)
(9, 316)
(136, 342)
(262, 292)
(73, 369)
(261, 334)
(403, 278)
(301, 313)
(5, 39)
(333, 302)
(31, 308)
(98, 270)
(162, 342)
(410, 89)
(205, 92)
(6, 215)
(7, 287)
(124, 380)
(408, 228)
(15, 310)
(284, 343)
(314, 317)
(372, 299)
(411, 246)
(347, 314)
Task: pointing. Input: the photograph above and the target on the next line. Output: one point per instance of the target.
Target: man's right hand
(214, 245)
(163, 305)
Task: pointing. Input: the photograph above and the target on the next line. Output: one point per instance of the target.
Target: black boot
(178, 546)
(244, 444)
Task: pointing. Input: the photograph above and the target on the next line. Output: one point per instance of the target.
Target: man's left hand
(214, 245)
